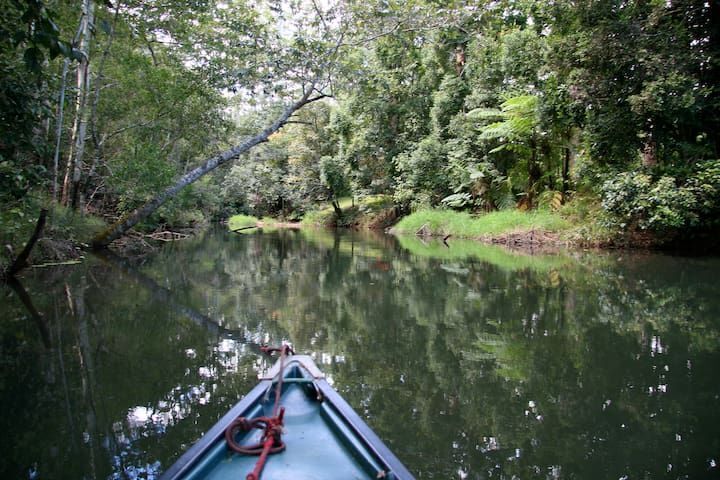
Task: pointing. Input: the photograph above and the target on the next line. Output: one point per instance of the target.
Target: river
(470, 361)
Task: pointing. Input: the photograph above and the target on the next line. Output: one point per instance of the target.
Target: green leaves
(519, 125)
(635, 200)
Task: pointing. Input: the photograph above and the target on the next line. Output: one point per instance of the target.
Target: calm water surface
(469, 361)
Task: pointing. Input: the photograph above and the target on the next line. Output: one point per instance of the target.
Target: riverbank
(575, 225)
(66, 234)
(62, 237)
(513, 228)
(578, 224)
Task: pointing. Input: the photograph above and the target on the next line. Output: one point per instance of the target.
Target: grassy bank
(245, 223)
(242, 221)
(465, 225)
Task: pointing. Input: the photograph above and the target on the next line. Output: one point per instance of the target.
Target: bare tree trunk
(534, 174)
(459, 60)
(565, 172)
(71, 184)
(65, 192)
(58, 129)
(338, 210)
(119, 228)
(60, 114)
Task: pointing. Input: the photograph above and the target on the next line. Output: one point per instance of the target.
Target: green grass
(462, 224)
(74, 225)
(240, 221)
(17, 222)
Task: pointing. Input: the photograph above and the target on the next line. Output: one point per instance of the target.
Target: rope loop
(272, 427)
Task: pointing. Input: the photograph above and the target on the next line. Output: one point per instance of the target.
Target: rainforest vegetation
(161, 115)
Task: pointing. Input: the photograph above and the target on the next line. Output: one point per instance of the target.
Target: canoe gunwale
(363, 431)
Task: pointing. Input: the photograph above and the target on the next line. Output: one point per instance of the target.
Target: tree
(297, 61)
(123, 225)
(73, 171)
(519, 132)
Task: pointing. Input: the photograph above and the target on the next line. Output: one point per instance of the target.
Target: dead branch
(22, 260)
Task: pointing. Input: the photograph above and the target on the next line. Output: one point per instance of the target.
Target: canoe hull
(324, 436)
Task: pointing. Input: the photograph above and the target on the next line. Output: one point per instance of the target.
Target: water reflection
(471, 361)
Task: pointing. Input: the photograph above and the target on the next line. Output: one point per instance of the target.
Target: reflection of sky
(153, 420)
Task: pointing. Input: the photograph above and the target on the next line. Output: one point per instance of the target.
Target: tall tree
(73, 170)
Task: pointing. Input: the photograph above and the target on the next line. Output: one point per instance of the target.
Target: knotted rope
(272, 427)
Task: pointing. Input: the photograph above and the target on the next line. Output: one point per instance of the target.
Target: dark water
(470, 362)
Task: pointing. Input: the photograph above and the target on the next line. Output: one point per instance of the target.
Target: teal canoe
(322, 436)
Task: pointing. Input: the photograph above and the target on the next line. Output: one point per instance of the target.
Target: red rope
(272, 426)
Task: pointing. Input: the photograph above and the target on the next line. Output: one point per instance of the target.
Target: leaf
(457, 200)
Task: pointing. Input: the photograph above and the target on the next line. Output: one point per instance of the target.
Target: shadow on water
(470, 361)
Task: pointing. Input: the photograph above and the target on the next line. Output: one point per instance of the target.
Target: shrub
(640, 202)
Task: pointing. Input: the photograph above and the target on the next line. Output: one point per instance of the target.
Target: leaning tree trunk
(121, 227)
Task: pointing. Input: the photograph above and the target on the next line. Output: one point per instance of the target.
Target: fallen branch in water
(235, 230)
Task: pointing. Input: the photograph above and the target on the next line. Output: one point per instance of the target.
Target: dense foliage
(467, 105)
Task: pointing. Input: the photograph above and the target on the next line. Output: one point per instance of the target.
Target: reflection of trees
(465, 364)
(125, 365)
(463, 360)
(585, 369)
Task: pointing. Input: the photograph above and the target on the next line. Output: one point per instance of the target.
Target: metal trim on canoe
(359, 428)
